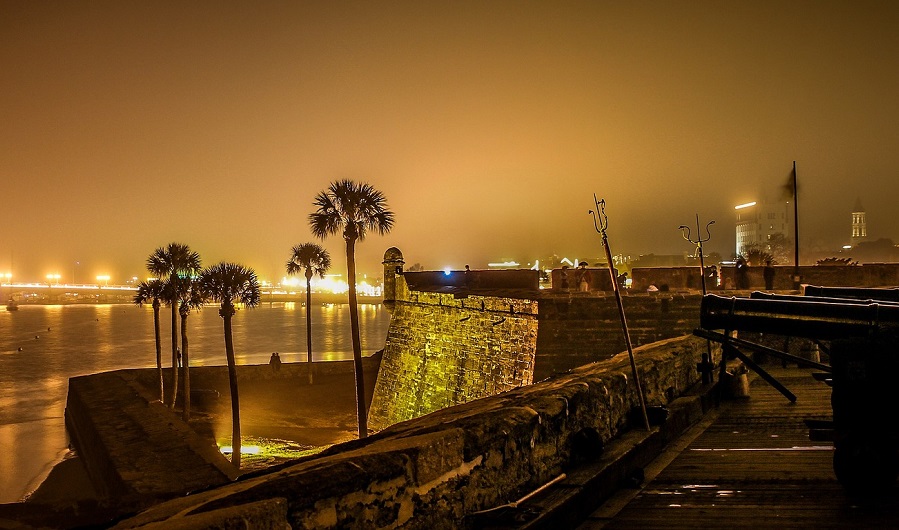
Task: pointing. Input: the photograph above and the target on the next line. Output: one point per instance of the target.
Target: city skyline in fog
(488, 126)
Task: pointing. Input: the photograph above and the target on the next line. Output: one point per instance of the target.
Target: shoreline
(35, 484)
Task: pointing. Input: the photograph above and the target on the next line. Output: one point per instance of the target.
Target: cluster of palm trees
(345, 207)
(182, 284)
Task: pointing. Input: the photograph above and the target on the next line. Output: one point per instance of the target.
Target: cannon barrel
(858, 293)
(762, 295)
(820, 320)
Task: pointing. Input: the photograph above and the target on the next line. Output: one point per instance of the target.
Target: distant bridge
(65, 293)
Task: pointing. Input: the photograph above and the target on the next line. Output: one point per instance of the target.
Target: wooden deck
(750, 464)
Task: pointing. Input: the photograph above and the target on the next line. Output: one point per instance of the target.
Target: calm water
(41, 347)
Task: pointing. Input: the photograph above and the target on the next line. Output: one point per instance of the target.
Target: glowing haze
(487, 125)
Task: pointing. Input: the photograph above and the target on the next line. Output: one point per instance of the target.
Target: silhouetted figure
(622, 280)
(711, 276)
(769, 275)
(275, 362)
(582, 277)
(741, 274)
(563, 278)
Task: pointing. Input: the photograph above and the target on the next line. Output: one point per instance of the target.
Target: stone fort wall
(457, 337)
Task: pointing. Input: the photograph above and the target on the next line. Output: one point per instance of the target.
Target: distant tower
(859, 225)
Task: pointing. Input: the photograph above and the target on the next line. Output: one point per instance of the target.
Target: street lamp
(53, 278)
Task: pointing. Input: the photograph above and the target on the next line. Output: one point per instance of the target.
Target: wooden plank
(755, 467)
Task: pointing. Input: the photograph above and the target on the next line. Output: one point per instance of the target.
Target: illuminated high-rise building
(759, 222)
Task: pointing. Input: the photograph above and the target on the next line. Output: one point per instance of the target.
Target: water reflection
(41, 347)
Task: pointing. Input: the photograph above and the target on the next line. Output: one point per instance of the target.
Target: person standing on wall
(741, 274)
(769, 275)
(582, 277)
(563, 275)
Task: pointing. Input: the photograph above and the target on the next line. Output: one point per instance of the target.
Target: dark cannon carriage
(862, 336)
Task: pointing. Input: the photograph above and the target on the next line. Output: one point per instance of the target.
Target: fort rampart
(436, 471)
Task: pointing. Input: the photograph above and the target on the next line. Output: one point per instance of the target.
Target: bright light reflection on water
(41, 347)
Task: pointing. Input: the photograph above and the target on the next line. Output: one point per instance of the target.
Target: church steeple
(859, 225)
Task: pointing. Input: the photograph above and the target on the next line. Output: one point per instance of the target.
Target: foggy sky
(488, 125)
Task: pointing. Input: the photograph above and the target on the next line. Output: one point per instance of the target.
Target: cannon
(864, 362)
(858, 293)
(762, 295)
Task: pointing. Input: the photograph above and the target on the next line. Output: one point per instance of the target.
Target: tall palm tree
(352, 209)
(167, 263)
(153, 291)
(315, 260)
(228, 283)
(189, 293)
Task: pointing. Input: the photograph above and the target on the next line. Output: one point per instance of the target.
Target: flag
(788, 189)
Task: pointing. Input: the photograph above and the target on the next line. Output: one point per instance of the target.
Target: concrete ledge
(433, 471)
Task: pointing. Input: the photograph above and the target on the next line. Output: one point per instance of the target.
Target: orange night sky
(488, 125)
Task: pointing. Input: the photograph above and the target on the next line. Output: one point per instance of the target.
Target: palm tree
(167, 263)
(315, 260)
(190, 296)
(153, 291)
(352, 209)
(228, 283)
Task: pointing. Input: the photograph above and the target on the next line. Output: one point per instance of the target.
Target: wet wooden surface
(750, 465)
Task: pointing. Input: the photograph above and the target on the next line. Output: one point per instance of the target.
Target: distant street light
(103, 278)
(53, 278)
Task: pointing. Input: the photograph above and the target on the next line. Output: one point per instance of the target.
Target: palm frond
(231, 282)
(309, 257)
(354, 207)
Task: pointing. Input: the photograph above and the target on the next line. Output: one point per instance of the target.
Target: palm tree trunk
(309, 323)
(227, 312)
(357, 343)
(185, 362)
(158, 350)
(174, 355)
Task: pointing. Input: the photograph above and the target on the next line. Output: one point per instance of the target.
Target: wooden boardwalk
(750, 464)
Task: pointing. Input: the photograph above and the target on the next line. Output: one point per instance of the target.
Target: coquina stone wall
(442, 351)
(451, 340)
(864, 275)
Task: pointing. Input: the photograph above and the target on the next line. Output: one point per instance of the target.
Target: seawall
(137, 452)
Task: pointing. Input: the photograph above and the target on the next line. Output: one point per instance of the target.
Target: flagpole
(797, 280)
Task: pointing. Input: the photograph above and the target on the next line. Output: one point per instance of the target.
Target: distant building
(760, 222)
(859, 224)
(662, 260)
